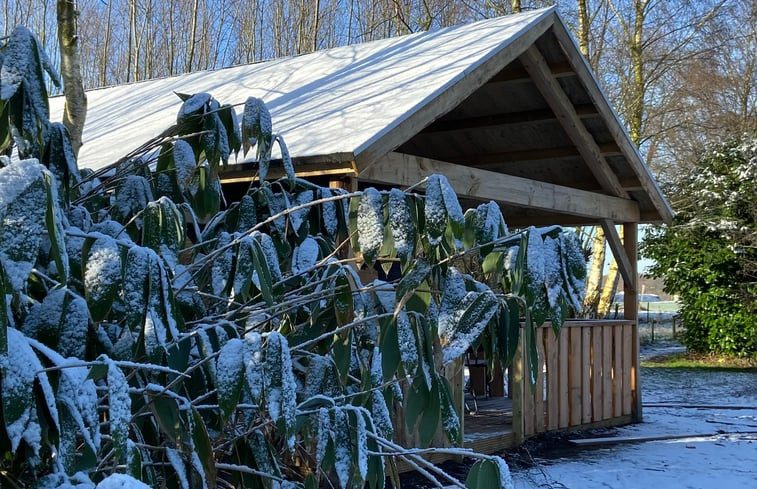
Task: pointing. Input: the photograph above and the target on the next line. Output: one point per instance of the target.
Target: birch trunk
(594, 280)
(75, 107)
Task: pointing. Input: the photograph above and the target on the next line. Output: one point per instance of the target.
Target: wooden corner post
(631, 309)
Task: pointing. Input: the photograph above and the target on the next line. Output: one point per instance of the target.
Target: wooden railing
(588, 377)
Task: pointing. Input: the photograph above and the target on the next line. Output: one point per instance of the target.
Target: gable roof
(506, 107)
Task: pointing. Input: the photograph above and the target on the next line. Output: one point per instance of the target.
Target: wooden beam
(502, 120)
(618, 251)
(483, 185)
(447, 100)
(486, 160)
(553, 93)
(616, 128)
(519, 73)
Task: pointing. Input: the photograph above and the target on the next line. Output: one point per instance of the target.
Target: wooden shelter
(509, 111)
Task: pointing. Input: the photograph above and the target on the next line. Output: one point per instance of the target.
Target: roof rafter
(617, 130)
(482, 185)
(550, 89)
(502, 120)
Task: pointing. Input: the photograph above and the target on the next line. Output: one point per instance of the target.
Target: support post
(631, 309)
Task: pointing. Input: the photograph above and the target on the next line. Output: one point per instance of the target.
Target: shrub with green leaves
(708, 257)
(151, 331)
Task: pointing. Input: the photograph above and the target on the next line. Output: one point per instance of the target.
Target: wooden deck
(490, 429)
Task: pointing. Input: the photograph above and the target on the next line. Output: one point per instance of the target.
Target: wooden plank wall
(585, 378)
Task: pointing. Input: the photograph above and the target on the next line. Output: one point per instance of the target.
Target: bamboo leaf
(230, 374)
(474, 312)
(102, 270)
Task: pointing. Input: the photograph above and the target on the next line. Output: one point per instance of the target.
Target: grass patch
(701, 361)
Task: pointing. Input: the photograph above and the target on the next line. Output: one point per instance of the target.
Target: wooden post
(631, 308)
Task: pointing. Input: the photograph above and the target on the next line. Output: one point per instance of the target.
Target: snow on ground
(723, 461)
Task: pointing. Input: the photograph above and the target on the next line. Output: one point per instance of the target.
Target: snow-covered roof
(426, 95)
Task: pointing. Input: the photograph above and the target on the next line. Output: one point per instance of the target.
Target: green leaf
(483, 475)
(163, 227)
(263, 272)
(390, 350)
(53, 220)
(166, 412)
(508, 330)
(370, 225)
(230, 375)
(429, 422)
(411, 280)
(450, 418)
(119, 406)
(416, 400)
(343, 301)
(343, 453)
(493, 264)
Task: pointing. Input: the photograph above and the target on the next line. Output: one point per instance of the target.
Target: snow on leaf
(435, 211)
(286, 159)
(466, 322)
(256, 122)
(342, 447)
(102, 274)
(453, 295)
(321, 378)
(298, 217)
(401, 225)
(271, 257)
(60, 321)
(325, 433)
(77, 392)
(574, 268)
(23, 205)
(132, 196)
(505, 478)
(553, 278)
(361, 445)
(19, 411)
(221, 267)
(194, 105)
(305, 256)
(280, 385)
(230, 370)
(253, 364)
(121, 481)
(184, 162)
(489, 223)
(119, 405)
(370, 224)
(174, 458)
(379, 410)
(328, 209)
(454, 211)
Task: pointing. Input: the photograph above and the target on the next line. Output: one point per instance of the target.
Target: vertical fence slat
(620, 372)
(519, 391)
(574, 376)
(627, 359)
(607, 372)
(563, 419)
(596, 374)
(539, 392)
(553, 379)
(586, 374)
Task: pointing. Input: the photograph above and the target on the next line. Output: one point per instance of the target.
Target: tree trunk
(193, 37)
(610, 286)
(75, 107)
(515, 4)
(594, 280)
(583, 28)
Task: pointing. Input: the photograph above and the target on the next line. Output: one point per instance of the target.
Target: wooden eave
(530, 129)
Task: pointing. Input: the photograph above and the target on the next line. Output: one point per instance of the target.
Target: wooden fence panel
(539, 425)
(563, 410)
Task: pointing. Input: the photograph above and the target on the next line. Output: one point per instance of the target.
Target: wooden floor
(489, 428)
